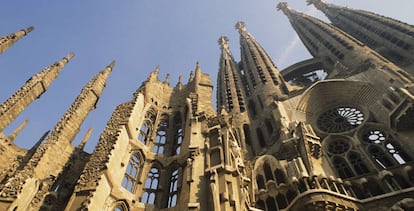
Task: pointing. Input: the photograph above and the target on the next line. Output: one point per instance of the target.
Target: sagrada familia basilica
(278, 140)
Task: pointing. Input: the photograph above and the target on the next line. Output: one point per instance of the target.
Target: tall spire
(7, 41)
(30, 91)
(257, 65)
(85, 139)
(341, 55)
(229, 81)
(57, 148)
(393, 39)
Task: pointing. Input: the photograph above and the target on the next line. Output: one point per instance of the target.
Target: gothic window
(260, 182)
(215, 157)
(338, 146)
(151, 186)
(340, 119)
(121, 206)
(357, 163)
(132, 173)
(260, 204)
(252, 108)
(144, 132)
(268, 172)
(260, 137)
(173, 192)
(280, 176)
(178, 141)
(159, 142)
(269, 126)
(342, 167)
(270, 203)
(281, 201)
(247, 136)
(383, 150)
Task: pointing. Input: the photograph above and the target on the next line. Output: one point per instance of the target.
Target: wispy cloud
(293, 44)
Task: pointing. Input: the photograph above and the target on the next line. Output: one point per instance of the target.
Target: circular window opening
(338, 146)
(340, 119)
(374, 136)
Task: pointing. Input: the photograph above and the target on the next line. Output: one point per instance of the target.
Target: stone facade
(280, 140)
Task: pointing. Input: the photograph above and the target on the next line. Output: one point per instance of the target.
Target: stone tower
(391, 38)
(7, 41)
(294, 139)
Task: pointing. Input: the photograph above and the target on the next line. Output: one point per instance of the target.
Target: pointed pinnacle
(28, 29)
(112, 65)
(283, 6)
(241, 26)
(69, 57)
(223, 41)
(15, 133)
(85, 138)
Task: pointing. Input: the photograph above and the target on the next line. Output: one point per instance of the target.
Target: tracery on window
(132, 173)
(173, 191)
(121, 206)
(383, 149)
(159, 142)
(178, 141)
(144, 132)
(340, 119)
(151, 186)
(338, 146)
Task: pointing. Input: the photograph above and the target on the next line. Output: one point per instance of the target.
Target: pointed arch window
(159, 142)
(342, 167)
(173, 191)
(357, 163)
(383, 149)
(144, 132)
(132, 173)
(121, 206)
(151, 186)
(268, 172)
(178, 141)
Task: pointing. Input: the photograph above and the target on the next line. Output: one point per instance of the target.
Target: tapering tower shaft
(49, 159)
(230, 92)
(391, 38)
(342, 56)
(258, 67)
(31, 90)
(7, 41)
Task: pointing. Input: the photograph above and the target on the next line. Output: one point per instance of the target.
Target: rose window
(340, 119)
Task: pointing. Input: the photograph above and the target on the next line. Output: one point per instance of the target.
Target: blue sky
(139, 34)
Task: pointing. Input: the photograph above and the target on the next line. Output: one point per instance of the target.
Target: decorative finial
(223, 40)
(320, 4)
(111, 65)
(197, 70)
(167, 79)
(28, 29)
(69, 56)
(154, 74)
(180, 79)
(241, 26)
(283, 6)
(191, 76)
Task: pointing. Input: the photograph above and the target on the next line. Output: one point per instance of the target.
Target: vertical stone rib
(56, 149)
(31, 90)
(257, 63)
(7, 41)
(230, 92)
(393, 39)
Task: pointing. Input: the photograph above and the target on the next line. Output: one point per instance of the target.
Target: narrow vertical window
(159, 142)
(247, 136)
(151, 186)
(144, 132)
(260, 137)
(178, 141)
(173, 192)
(132, 173)
(268, 172)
